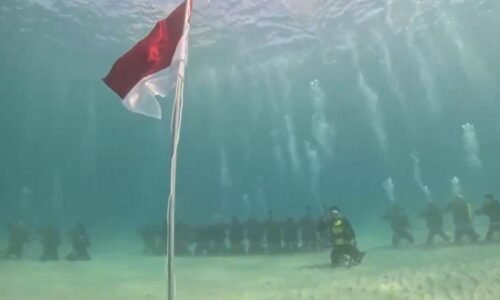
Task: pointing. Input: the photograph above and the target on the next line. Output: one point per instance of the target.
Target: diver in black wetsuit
(400, 225)
(291, 235)
(80, 243)
(150, 235)
(184, 235)
(220, 234)
(211, 232)
(342, 236)
(51, 240)
(308, 231)
(203, 241)
(255, 236)
(323, 236)
(462, 218)
(491, 209)
(236, 235)
(434, 220)
(273, 234)
(18, 237)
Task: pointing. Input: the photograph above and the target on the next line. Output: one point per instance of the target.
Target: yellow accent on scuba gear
(338, 227)
(339, 241)
(469, 211)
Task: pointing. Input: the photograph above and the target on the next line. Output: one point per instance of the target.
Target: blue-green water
(288, 103)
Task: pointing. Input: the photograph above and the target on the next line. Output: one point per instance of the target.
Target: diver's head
(334, 212)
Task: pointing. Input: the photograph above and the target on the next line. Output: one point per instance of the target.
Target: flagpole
(176, 129)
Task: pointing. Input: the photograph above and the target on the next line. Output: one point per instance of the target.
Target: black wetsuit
(51, 241)
(343, 239)
(324, 237)
(491, 209)
(150, 240)
(80, 243)
(291, 235)
(236, 235)
(273, 236)
(400, 225)
(18, 237)
(309, 238)
(203, 241)
(254, 235)
(220, 238)
(211, 232)
(462, 218)
(434, 220)
(183, 236)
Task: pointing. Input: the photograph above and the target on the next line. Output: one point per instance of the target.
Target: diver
(202, 241)
(308, 231)
(211, 232)
(184, 235)
(291, 235)
(150, 239)
(400, 225)
(80, 243)
(236, 234)
(462, 218)
(254, 235)
(323, 236)
(51, 241)
(18, 237)
(273, 234)
(491, 209)
(434, 219)
(220, 238)
(342, 237)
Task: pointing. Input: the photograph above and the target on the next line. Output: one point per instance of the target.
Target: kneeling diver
(342, 236)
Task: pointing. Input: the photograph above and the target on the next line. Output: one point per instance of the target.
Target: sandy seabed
(467, 272)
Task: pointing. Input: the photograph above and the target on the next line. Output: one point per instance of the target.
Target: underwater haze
(289, 103)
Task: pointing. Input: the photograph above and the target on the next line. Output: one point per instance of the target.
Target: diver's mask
(335, 213)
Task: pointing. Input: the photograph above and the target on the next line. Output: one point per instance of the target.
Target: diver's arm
(349, 230)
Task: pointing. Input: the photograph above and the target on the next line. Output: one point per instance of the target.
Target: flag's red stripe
(152, 54)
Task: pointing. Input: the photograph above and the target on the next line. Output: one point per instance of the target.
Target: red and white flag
(151, 67)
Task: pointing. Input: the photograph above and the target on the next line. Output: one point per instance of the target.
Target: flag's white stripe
(142, 97)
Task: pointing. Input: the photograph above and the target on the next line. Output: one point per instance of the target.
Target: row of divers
(331, 230)
(50, 240)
